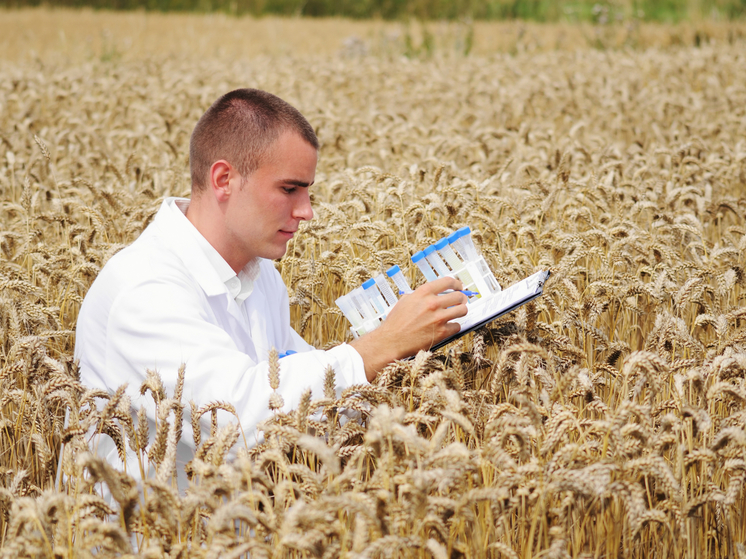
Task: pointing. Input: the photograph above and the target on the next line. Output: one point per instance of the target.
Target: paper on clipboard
(487, 309)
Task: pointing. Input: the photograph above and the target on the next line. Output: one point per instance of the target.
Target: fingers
(440, 285)
(444, 331)
(451, 313)
(452, 328)
(417, 321)
(452, 306)
(452, 299)
(445, 306)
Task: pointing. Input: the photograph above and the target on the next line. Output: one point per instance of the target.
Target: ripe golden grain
(606, 418)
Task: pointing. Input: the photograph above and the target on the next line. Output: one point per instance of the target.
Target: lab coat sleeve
(160, 324)
(293, 341)
(351, 369)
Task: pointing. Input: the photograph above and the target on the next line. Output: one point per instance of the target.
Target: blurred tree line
(537, 10)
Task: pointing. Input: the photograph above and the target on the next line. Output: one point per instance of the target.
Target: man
(199, 286)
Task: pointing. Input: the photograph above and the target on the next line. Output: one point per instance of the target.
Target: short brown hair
(239, 127)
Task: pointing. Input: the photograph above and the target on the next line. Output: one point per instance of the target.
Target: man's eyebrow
(296, 182)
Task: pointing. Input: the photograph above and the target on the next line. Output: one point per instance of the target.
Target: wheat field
(605, 419)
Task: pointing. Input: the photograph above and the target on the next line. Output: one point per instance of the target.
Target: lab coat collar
(240, 285)
(173, 225)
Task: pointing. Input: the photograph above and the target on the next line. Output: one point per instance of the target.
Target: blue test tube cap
(429, 250)
(417, 256)
(369, 283)
(441, 243)
(453, 237)
(464, 231)
(391, 272)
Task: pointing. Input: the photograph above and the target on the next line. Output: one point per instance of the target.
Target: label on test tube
(456, 264)
(448, 255)
(385, 289)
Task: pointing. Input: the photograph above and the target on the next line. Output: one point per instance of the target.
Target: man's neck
(207, 221)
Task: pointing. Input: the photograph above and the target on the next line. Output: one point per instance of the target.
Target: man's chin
(274, 250)
(279, 253)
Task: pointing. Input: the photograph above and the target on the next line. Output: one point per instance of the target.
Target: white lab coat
(159, 303)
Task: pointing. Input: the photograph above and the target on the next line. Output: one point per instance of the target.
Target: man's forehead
(287, 143)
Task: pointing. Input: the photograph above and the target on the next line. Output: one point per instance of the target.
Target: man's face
(265, 211)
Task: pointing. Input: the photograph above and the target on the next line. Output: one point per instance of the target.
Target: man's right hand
(419, 320)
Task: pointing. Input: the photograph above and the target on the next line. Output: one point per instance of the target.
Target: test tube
(445, 250)
(456, 264)
(396, 274)
(436, 261)
(469, 251)
(419, 259)
(385, 289)
(347, 307)
(374, 296)
(362, 304)
(456, 246)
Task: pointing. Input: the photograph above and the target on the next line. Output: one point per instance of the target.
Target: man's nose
(303, 209)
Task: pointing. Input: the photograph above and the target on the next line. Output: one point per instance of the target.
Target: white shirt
(161, 302)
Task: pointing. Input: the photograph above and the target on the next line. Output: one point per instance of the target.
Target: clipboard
(486, 309)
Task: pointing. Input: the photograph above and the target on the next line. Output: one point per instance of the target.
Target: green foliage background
(538, 10)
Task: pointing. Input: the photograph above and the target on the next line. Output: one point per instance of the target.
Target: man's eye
(288, 190)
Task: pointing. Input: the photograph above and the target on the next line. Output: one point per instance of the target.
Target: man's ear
(223, 180)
